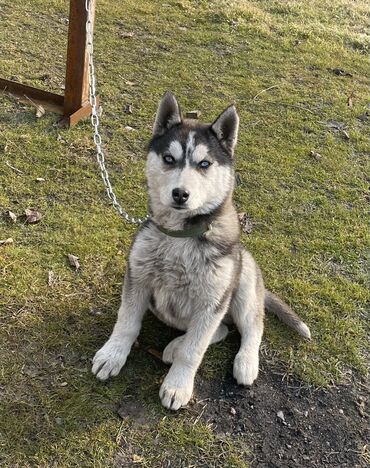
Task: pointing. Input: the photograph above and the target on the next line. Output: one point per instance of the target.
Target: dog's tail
(278, 307)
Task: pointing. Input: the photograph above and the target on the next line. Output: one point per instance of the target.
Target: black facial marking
(203, 134)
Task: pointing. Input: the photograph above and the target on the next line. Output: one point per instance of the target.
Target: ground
(298, 73)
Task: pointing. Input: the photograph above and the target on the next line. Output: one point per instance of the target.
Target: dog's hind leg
(170, 350)
(247, 311)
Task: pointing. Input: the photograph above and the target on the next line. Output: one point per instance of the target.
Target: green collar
(194, 231)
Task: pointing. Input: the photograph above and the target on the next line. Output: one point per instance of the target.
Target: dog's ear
(226, 128)
(168, 114)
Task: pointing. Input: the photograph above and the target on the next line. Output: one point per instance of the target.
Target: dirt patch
(288, 425)
(283, 423)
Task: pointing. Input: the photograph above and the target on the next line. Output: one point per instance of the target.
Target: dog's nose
(180, 195)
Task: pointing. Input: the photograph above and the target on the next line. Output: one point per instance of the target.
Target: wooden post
(76, 98)
(74, 105)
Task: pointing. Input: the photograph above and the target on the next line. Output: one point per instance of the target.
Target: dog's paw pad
(109, 360)
(245, 369)
(170, 350)
(175, 398)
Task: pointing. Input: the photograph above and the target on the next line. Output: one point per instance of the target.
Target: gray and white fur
(195, 284)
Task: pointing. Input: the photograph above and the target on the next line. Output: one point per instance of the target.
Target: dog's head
(189, 165)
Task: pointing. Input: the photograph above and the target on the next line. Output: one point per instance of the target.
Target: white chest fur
(181, 274)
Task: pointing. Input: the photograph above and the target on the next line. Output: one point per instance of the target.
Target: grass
(310, 236)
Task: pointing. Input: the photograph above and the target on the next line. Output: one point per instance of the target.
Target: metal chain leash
(95, 123)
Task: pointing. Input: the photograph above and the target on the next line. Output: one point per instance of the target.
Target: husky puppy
(186, 264)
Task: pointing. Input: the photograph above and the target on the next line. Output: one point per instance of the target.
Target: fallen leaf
(127, 35)
(12, 216)
(130, 83)
(128, 128)
(232, 411)
(45, 78)
(32, 216)
(361, 407)
(155, 353)
(61, 139)
(7, 241)
(281, 416)
(246, 222)
(40, 179)
(194, 114)
(238, 179)
(73, 261)
(345, 135)
(350, 100)
(315, 155)
(363, 117)
(137, 458)
(51, 278)
(341, 72)
(335, 125)
(40, 111)
(127, 109)
(94, 311)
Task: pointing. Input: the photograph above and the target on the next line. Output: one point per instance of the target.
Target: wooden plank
(76, 80)
(81, 113)
(50, 101)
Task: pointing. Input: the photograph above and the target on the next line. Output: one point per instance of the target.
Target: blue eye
(204, 164)
(168, 159)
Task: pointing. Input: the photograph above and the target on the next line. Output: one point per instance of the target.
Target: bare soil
(282, 422)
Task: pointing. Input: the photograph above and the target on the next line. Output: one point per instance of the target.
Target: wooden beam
(51, 101)
(76, 81)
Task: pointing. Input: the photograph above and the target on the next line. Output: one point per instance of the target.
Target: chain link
(95, 123)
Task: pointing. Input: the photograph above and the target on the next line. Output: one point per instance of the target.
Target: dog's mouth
(179, 207)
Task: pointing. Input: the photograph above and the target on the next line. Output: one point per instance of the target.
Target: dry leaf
(315, 155)
(137, 458)
(350, 101)
(363, 117)
(238, 179)
(341, 72)
(32, 216)
(281, 416)
(73, 261)
(128, 128)
(345, 135)
(40, 179)
(194, 114)
(7, 241)
(335, 125)
(246, 222)
(51, 278)
(155, 353)
(40, 111)
(127, 35)
(130, 83)
(128, 109)
(12, 216)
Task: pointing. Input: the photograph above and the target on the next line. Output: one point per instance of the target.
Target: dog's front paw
(176, 393)
(110, 359)
(245, 369)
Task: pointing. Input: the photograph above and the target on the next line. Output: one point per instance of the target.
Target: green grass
(310, 238)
